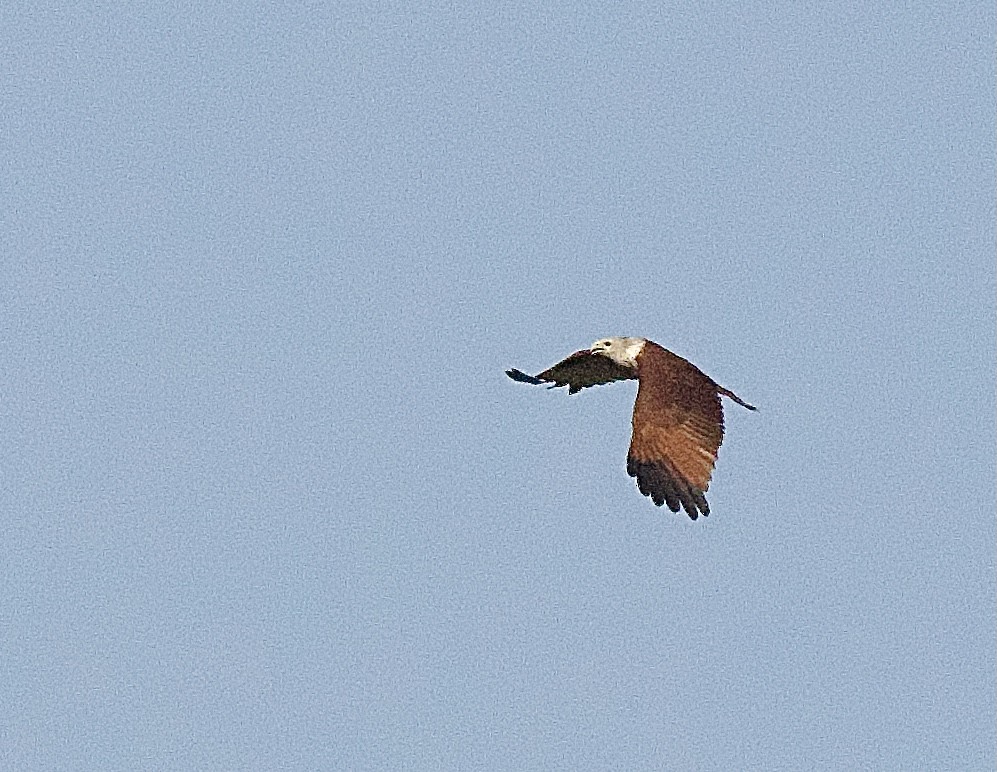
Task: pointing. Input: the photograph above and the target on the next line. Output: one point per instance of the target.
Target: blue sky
(269, 499)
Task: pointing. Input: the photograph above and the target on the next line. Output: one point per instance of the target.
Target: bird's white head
(623, 351)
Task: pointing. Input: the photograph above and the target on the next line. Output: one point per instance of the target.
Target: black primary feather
(519, 375)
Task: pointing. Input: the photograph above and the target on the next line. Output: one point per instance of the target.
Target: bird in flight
(678, 421)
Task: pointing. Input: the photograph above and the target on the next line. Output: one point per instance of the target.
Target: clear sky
(269, 500)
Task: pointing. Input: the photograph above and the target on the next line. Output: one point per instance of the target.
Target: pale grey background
(268, 499)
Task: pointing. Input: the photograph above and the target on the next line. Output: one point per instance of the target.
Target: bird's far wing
(578, 371)
(678, 426)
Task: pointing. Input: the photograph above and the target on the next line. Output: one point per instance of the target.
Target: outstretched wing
(581, 369)
(678, 425)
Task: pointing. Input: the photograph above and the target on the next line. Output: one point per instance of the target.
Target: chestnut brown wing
(678, 426)
(578, 371)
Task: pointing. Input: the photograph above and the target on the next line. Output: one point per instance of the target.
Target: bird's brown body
(678, 421)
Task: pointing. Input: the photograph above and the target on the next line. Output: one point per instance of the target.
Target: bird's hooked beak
(598, 348)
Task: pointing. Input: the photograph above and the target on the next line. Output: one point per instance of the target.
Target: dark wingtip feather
(519, 375)
(659, 483)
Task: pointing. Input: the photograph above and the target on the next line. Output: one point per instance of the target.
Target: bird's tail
(733, 396)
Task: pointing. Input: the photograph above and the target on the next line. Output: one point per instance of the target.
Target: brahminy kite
(678, 421)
